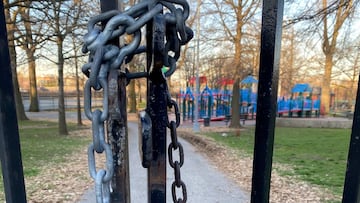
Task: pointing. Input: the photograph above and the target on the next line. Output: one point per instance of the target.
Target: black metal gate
(9, 133)
(264, 134)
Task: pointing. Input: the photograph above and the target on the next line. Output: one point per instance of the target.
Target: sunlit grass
(41, 145)
(316, 155)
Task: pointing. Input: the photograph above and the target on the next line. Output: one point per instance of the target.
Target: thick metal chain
(102, 177)
(130, 22)
(176, 165)
(104, 56)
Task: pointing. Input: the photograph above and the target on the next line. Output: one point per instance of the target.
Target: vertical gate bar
(157, 109)
(352, 179)
(117, 129)
(118, 138)
(271, 28)
(10, 152)
(108, 5)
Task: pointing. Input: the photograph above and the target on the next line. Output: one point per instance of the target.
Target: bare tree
(349, 58)
(29, 38)
(76, 47)
(63, 18)
(327, 21)
(233, 17)
(290, 61)
(331, 31)
(11, 19)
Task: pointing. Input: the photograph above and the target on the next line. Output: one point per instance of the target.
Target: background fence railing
(50, 101)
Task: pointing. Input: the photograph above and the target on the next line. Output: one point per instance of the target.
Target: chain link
(97, 81)
(176, 165)
(130, 22)
(102, 177)
(104, 56)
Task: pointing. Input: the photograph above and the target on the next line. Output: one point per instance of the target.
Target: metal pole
(352, 179)
(196, 127)
(10, 152)
(118, 138)
(117, 128)
(272, 13)
(157, 109)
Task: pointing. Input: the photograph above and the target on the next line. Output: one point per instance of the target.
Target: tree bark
(78, 103)
(329, 46)
(235, 110)
(131, 101)
(326, 92)
(29, 46)
(34, 102)
(64, 22)
(62, 119)
(20, 111)
(132, 97)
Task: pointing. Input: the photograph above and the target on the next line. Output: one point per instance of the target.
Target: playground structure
(303, 102)
(187, 104)
(248, 97)
(215, 104)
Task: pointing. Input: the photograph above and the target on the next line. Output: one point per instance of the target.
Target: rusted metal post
(272, 13)
(10, 153)
(157, 109)
(352, 179)
(117, 129)
(118, 138)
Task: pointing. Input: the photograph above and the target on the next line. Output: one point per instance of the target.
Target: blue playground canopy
(249, 80)
(299, 88)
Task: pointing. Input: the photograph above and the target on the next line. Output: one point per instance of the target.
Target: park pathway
(204, 183)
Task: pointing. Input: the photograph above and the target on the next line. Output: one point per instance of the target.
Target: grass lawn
(41, 146)
(317, 155)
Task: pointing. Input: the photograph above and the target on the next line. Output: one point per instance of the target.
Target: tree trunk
(325, 92)
(132, 97)
(20, 111)
(235, 110)
(62, 120)
(29, 47)
(78, 103)
(139, 86)
(34, 102)
(329, 46)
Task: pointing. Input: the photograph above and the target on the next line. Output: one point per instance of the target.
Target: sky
(46, 67)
